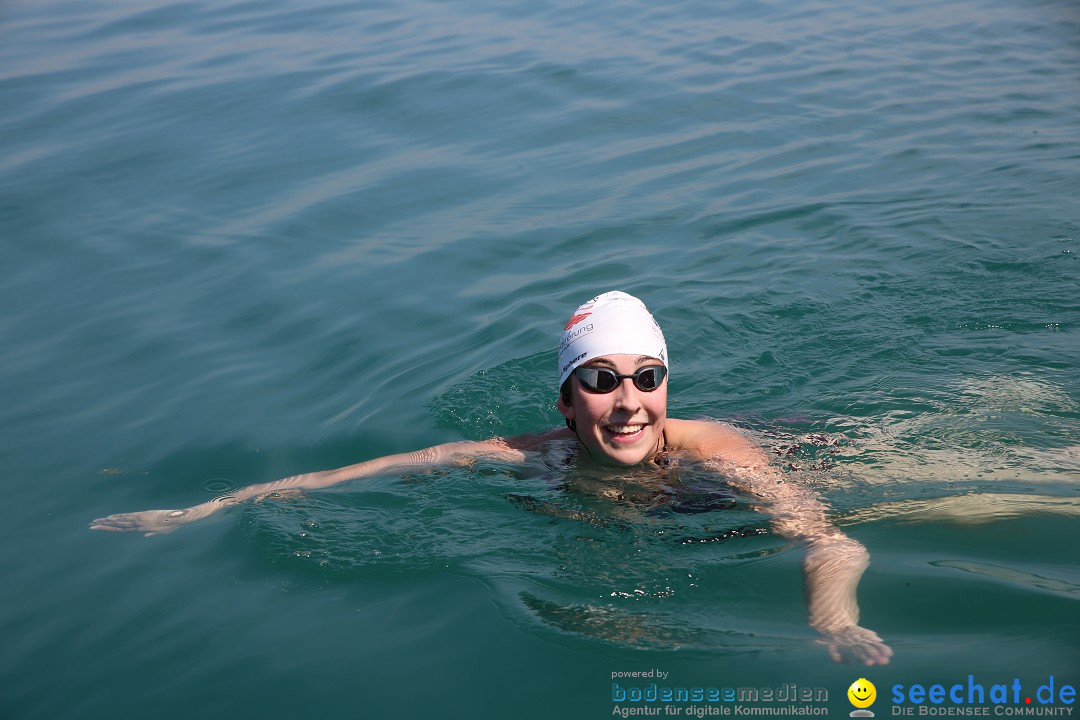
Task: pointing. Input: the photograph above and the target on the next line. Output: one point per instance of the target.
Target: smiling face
(862, 693)
(624, 426)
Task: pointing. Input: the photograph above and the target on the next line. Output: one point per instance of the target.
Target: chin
(628, 456)
(622, 462)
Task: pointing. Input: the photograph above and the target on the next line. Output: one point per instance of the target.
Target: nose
(627, 396)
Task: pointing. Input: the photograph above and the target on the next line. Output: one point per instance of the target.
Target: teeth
(623, 429)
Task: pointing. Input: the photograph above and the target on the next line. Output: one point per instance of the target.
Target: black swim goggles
(601, 380)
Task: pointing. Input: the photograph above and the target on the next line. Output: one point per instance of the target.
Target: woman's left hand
(858, 645)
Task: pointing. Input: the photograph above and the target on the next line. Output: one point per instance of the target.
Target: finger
(884, 654)
(877, 654)
(110, 524)
(111, 520)
(120, 524)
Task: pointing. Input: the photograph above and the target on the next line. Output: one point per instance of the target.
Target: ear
(567, 409)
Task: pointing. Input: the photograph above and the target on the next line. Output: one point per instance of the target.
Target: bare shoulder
(687, 433)
(702, 439)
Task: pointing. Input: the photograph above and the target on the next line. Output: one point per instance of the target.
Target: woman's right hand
(150, 522)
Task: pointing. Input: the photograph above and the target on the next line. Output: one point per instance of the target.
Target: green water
(247, 240)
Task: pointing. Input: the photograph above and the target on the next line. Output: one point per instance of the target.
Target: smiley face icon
(862, 693)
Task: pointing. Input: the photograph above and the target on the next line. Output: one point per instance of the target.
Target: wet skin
(622, 427)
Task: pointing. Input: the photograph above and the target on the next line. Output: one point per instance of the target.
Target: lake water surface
(246, 240)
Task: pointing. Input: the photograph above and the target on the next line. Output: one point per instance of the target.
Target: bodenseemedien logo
(862, 694)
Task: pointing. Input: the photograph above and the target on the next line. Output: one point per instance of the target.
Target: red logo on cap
(575, 320)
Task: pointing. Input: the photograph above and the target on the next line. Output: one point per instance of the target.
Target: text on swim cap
(564, 367)
(573, 335)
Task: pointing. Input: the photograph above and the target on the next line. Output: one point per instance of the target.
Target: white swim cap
(612, 323)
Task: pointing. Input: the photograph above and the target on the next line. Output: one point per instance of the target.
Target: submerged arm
(834, 562)
(154, 522)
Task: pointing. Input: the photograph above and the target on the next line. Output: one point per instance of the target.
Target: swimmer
(613, 371)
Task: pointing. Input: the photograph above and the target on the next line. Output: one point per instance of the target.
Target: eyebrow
(608, 363)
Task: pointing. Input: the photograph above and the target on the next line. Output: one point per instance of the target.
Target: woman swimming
(613, 369)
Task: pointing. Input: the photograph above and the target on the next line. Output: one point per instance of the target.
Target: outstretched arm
(834, 563)
(155, 522)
